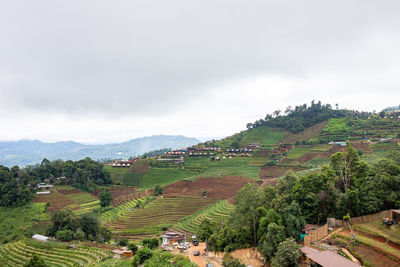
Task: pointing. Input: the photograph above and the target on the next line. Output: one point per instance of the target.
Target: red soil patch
(57, 200)
(268, 172)
(217, 188)
(374, 237)
(374, 257)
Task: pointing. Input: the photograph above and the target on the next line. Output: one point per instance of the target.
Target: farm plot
(269, 172)
(83, 202)
(306, 135)
(266, 136)
(56, 199)
(212, 212)
(120, 195)
(217, 188)
(121, 210)
(162, 211)
(53, 254)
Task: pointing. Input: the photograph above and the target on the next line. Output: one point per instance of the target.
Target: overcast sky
(108, 71)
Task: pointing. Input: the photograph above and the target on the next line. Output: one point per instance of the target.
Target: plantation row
(212, 212)
(161, 211)
(53, 254)
(122, 210)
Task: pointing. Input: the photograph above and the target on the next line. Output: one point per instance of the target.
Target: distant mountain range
(29, 152)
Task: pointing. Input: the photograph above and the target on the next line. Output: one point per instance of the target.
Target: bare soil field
(217, 188)
(122, 195)
(57, 200)
(268, 172)
(374, 257)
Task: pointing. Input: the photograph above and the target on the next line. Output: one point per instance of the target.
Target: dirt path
(199, 260)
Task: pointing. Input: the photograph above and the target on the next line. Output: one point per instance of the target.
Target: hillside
(28, 152)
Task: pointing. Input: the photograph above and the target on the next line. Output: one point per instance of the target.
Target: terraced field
(212, 212)
(83, 202)
(118, 211)
(53, 254)
(162, 211)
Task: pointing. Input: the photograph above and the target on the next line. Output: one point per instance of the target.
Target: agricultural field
(84, 202)
(377, 228)
(18, 222)
(161, 212)
(266, 136)
(120, 210)
(53, 254)
(335, 130)
(217, 188)
(191, 224)
(306, 135)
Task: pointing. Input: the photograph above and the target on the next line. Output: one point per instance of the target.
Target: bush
(35, 261)
(144, 254)
(65, 235)
(151, 243)
(123, 242)
(133, 247)
(229, 261)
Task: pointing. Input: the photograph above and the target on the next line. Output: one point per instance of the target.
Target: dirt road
(197, 259)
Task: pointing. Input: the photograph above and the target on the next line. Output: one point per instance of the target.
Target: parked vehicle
(195, 243)
(196, 253)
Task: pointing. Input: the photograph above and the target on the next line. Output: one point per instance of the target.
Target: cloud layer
(109, 71)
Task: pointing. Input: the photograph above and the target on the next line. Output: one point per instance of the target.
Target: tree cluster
(299, 117)
(84, 174)
(14, 187)
(66, 227)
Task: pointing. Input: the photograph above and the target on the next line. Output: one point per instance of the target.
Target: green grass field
(53, 254)
(266, 136)
(212, 212)
(161, 211)
(18, 221)
(117, 174)
(335, 130)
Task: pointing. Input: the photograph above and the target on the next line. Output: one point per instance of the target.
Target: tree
(204, 193)
(344, 163)
(287, 255)
(151, 243)
(205, 229)
(144, 254)
(293, 220)
(158, 190)
(105, 198)
(271, 240)
(133, 247)
(35, 261)
(90, 225)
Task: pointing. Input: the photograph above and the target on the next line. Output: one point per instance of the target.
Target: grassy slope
(15, 222)
(266, 136)
(377, 228)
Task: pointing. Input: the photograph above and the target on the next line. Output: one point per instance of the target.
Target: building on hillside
(41, 238)
(171, 238)
(42, 192)
(396, 216)
(44, 185)
(326, 258)
(123, 251)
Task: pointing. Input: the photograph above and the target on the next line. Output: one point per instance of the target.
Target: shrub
(65, 235)
(123, 242)
(144, 254)
(151, 243)
(133, 247)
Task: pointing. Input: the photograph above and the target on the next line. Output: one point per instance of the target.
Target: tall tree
(105, 198)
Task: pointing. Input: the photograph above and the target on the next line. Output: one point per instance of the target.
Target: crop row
(116, 212)
(212, 212)
(160, 211)
(18, 253)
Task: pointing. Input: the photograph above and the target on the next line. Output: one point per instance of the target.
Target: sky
(109, 71)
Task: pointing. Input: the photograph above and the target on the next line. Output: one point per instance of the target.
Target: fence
(316, 235)
(361, 219)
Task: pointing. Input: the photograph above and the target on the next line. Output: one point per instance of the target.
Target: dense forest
(17, 185)
(267, 216)
(300, 117)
